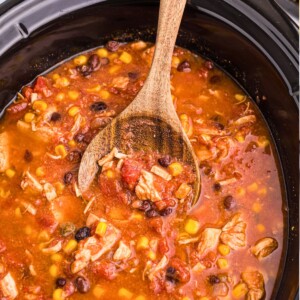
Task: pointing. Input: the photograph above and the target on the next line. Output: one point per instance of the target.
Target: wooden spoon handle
(170, 15)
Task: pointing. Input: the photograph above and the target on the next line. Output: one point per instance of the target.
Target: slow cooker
(254, 41)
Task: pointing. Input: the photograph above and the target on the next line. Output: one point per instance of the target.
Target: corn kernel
(60, 97)
(151, 255)
(114, 69)
(18, 213)
(113, 56)
(98, 291)
(240, 290)
(59, 187)
(137, 216)
(175, 61)
(62, 82)
(96, 88)
(73, 111)
(261, 227)
(263, 142)
(142, 243)
(262, 192)
(140, 297)
(80, 60)
(102, 52)
(256, 207)
(28, 230)
(124, 293)
(240, 192)
(110, 174)
(252, 187)
(53, 270)
(186, 298)
(58, 294)
(61, 151)
(222, 263)
(223, 249)
(55, 76)
(39, 105)
(56, 257)
(104, 94)
(240, 138)
(191, 226)
(175, 169)
(72, 143)
(70, 247)
(4, 194)
(10, 173)
(40, 171)
(73, 95)
(101, 228)
(29, 117)
(239, 97)
(43, 236)
(183, 191)
(125, 57)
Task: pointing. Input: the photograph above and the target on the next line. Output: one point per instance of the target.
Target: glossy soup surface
(132, 235)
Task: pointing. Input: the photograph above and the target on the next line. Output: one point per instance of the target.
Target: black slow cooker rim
(25, 29)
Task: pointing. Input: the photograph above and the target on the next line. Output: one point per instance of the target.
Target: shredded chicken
(246, 119)
(120, 82)
(123, 252)
(53, 249)
(156, 268)
(30, 181)
(29, 207)
(145, 188)
(8, 287)
(264, 247)
(233, 233)
(209, 240)
(108, 158)
(50, 192)
(94, 247)
(161, 173)
(4, 151)
(78, 121)
(255, 283)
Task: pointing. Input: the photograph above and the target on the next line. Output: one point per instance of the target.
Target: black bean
(209, 65)
(104, 61)
(28, 156)
(98, 106)
(151, 213)
(166, 211)
(112, 46)
(133, 75)
(229, 202)
(219, 125)
(171, 279)
(85, 70)
(82, 233)
(74, 156)
(145, 205)
(184, 67)
(55, 117)
(171, 270)
(94, 62)
(171, 275)
(82, 284)
(79, 137)
(215, 79)
(60, 282)
(217, 187)
(68, 177)
(165, 161)
(213, 279)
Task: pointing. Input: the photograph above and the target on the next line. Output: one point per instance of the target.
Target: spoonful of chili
(150, 122)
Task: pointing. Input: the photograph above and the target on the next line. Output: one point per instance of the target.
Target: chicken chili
(132, 235)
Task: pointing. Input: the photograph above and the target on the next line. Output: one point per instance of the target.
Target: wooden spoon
(150, 122)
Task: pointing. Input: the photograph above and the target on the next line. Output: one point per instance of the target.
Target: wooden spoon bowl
(150, 122)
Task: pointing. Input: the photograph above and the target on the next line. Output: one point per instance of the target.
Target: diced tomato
(109, 186)
(41, 86)
(27, 91)
(17, 107)
(46, 220)
(104, 269)
(163, 246)
(130, 172)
